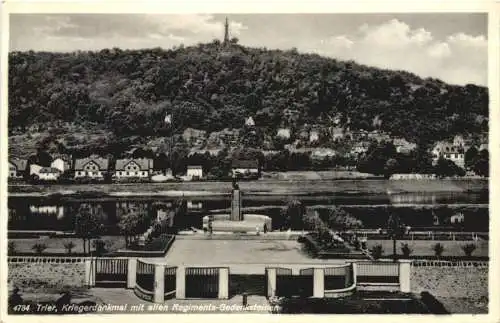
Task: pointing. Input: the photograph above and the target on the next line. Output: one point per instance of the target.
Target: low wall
(35, 275)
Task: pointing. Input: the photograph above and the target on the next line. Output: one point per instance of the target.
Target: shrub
(469, 249)
(377, 251)
(99, 246)
(39, 248)
(438, 249)
(406, 250)
(11, 248)
(69, 247)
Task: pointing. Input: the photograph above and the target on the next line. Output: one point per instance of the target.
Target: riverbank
(258, 187)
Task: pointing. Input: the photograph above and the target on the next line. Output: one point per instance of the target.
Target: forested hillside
(210, 87)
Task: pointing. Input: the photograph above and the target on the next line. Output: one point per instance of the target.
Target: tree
(390, 167)
(395, 229)
(471, 156)
(469, 249)
(69, 247)
(377, 251)
(87, 226)
(131, 225)
(340, 220)
(293, 214)
(406, 250)
(482, 164)
(447, 168)
(438, 249)
(39, 248)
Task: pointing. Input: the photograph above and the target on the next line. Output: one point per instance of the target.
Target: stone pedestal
(159, 296)
(319, 282)
(271, 282)
(180, 284)
(404, 275)
(131, 272)
(223, 283)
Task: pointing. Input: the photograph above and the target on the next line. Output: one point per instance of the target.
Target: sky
(449, 46)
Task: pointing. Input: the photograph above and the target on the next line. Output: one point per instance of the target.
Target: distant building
(449, 151)
(61, 162)
(17, 168)
(49, 174)
(93, 167)
(249, 122)
(283, 133)
(322, 153)
(403, 146)
(360, 148)
(458, 141)
(133, 168)
(336, 133)
(194, 172)
(245, 168)
(313, 136)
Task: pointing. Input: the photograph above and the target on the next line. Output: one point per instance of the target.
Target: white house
(245, 167)
(194, 172)
(134, 168)
(249, 122)
(313, 136)
(283, 133)
(35, 169)
(17, 168)
(92, 167)
(49, 174)
(448, 151)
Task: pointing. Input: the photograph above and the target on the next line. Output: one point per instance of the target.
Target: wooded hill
(211, 87)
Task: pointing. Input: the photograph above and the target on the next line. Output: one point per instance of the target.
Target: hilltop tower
(226, 32)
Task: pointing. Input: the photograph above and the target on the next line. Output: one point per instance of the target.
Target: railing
(377, 273)
(335, 287)
(145, 280)
(46, 260)
(444, 263)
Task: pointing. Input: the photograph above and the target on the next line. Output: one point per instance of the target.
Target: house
(93, 167)
(457, 218)
(458, 141)
(17, 168)
(49, 174)
(360, 148)
(133, 168)
(248, 167)
(283, 133)
(249, 122)
(322, 153)
(194, 172)
(336, 133)
(313, 136)
(61, 162)
(403, 146)
(449, 151)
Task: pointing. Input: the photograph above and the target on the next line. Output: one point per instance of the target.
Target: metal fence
(377, 272)
(202, 282)
(338, 277)
(145, 276)
(111, 272)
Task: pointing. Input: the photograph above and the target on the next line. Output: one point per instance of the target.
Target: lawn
(424, 247)
(56, 245)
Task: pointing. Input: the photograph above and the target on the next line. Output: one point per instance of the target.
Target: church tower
(226, 32)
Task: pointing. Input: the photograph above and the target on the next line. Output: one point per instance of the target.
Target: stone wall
(460, 289)
(35, 276)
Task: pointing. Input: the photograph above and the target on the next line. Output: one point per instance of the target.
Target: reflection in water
(427, 210)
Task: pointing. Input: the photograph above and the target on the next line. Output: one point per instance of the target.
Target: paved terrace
(242, 256)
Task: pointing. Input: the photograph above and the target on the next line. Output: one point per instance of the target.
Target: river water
(426, 210)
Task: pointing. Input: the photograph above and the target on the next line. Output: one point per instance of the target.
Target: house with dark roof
(194, 172)
(133, 168)
(449, 151)
(93, 167)
(17, 168)
(49, 174)
(245, 168)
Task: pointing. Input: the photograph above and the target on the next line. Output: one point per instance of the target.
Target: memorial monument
(236, 221)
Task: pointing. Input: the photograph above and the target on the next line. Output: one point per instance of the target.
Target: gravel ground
(460, 289)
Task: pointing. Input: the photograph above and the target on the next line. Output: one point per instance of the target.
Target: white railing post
(159, 286)
(223, 283)
(131, 272)
(404, 275)
(271, 282)
(180, 284)
(319, 282)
